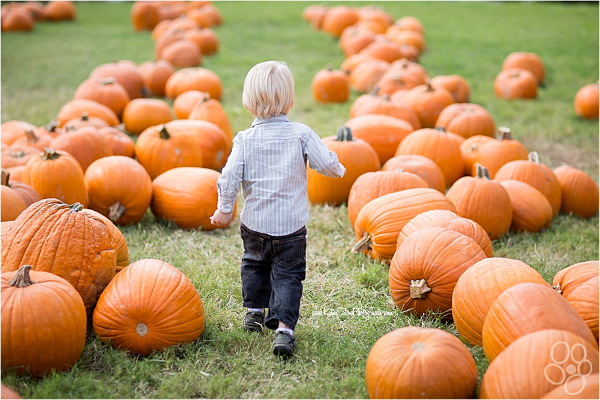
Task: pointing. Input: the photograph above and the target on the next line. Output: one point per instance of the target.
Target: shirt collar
(279, 118)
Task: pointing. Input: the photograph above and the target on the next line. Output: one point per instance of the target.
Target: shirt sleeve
(232, 174)
(321, 159)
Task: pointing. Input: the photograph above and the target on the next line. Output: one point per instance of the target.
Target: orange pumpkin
(105, 91)
(119, 142)
(584, 299)
(395, 366)
(119, 242)
(421, 166)
(119, 188)
(13, 130)
(531, 377)
(25, 192)
(75, 108)
(125, 73)
(337, 18)
(382, 132)
(582, 387)
(402, 75)
(354, 39)
(182, 53)
(515, 83)
(493, 154)
(579, 192)
(32, 139)
(77, 247)
(455, 84)
(211, 110)
(13, 157)
(383, 49)
(586, 101)
(34, 302)
(479, 286)
(428, 102)
(60, 10)
(380, 221)
(532, 212)
(351, 62)
(467, 120)
(484, 201)
(186, 101)
(197, 78)
(139, 320)
(85, 144)
(330, 86)
(56, 174)
(528, 61)
(570, 278)
(12, 204)
(84, 121)
(17, 19)
(186, 196)
(144, 15)
(410, 37)
(205, 38)
(525, 308)
(141, 114)
(409, 23)
(155, 75)
(371, 103)
(367, 73)
(372, 185)
(469, 149)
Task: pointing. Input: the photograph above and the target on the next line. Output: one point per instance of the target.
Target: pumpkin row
(23, 16)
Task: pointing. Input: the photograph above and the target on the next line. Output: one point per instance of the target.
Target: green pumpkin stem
(22, 278)
(482, 172)
(362, 244)
(50, 154)
(419, 289)
(164, 134)
(116, 211)
(504, 133)
(5, 177)
(344, 134)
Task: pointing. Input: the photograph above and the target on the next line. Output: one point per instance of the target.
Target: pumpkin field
(441, 267)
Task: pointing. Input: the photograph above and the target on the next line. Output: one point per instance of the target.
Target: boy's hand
(221, 219)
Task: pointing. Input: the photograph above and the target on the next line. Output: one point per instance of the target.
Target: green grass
(41, 70)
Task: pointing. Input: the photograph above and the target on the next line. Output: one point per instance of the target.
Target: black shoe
(284, 344)
(254, 321)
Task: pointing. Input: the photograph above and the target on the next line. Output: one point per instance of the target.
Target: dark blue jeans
(273, 268)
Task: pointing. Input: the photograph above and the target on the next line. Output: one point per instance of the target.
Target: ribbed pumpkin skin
(15, 157)
(159, 152)
(382, 219)
(518, 372)
(12, 130)
(485, 202)
(330, 86)
(479, 286)
(428, 103)
(526, 308)
(122, 180)
(372, 185)
(586, 101)
(186, 196)
(60, 178)
(382, 132)
(493, 154)
(119, 142)
(104, 91)
(211, 110)
(150, 305)
(12, 204)
(579, 191)
(421, 166)
(25, 192)
(77, 247)
(438, 146)
(532, 211)
(413, 363)
(535, 174)
(357, 156)
(467, 120)
(75, 108)
(586, 388)
(197, 78)
(141, 114)
(515, 83)
(528, 61)
(437, 255)
(126, 74)
(120, 244)
(584, 299)
(43, 324)
(570, 278)
(448, 220)
(366, 74)
(85, 144)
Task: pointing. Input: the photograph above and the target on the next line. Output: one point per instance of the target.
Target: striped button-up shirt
(269, 160)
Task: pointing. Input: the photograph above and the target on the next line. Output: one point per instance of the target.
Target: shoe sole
(283, 350)
(253, 328)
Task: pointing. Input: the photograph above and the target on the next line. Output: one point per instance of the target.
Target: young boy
(269, 160)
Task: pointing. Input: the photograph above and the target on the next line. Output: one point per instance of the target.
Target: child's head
(268, 89)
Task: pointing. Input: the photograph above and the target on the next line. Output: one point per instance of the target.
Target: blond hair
(268, 89)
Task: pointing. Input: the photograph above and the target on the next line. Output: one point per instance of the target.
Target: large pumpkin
(371, 103)
(380, 221)
(197, 78)
(484, 201)
(570, 278)
(357, 156)
(515, 83)
(536, 363)
(338, 18)
(12, 130)
(186, 101)
(582, 387)
(120, 244)
(105, 91)
(467, 120)
(25, 192)
(125, 73)
(211, 110)
(372, 185)
(186, 196)
(119, 142)
(525, 308)
(469, 149)
(426, 267)
(76, 247)
(535, 174)
(119, 188)
(12, 204)
(56, 174)
(150, 305)
(532, 211)
(155, 75)
(76, 107)
(419, 165)
(449, 220)
(479, 286)
(43, 322)
(414, 362)
(85, 144)
(428, 102)
(455, 84)
(579, 191)
(493, 154)
(586, 101)
(141, 114)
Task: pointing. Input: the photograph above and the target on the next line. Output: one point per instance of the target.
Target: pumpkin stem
(50, 154)
(5, 177)
(121, 127)
(440, 128)
(108, 81)
(385, 97)
(329, 67)
(399, 170)
(344, 134)
(116, 211)
(17, 153)
(419, 289)
(76, 207)
(482, 172)
(362, 244)
(84, 116)
(375, 90)
(557, 288)
(31, 137)
(504, 133)
(534, 157)
(429, 87)
(22, 278)
(164, 134)
(52, 125)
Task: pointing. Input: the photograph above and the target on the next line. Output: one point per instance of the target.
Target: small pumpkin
(367, 73)
(75, 108)
(354, 39)
(144, 15)
(32, 139)
(34, 302)
(525, 308)
(419, 165)
(211, 110)
(467, 120)
(125, 73)
(139, 320)
(532, 211)
(141, 114)
(409, 23)
(205, 38)
(60, 10)
(338, 18)
(106, 91)
(484, 201)
(395, 366)
(26, 192)
(402, 75)
(119, 142)
(12, 204)
(197, 78)
(85, 144)
(493, 154)
(355, 154)
(330, 86)
(13, 157)
(383, 49)
(182, 53)
(579, 191)
(528, 61)
(17, 19)
(586, 101)
(569, 278)
(13, 130)
(479, 286)
(469, 149)
(428, 102)
(84, 121)
(155, 75)
(515, 83)
(371, 103)
(186, 101)
(458, 86)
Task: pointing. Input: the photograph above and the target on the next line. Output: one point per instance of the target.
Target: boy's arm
(232, 174)
(321, 159)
